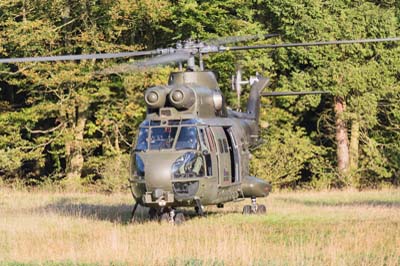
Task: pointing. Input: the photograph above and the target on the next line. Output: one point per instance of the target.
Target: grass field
(303, 228)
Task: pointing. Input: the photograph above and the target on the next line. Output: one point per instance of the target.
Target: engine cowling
(182, 98)
(155, 97)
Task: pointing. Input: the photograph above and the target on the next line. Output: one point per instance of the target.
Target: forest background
(60, 124)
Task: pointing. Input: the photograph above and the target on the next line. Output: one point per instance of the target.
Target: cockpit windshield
(157, 137)
(187, 139)
(142, 139)
(162, 137)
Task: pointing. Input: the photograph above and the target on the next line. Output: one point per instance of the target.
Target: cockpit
(180, 137)
(177, 135)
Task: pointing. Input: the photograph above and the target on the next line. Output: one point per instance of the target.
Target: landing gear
(133, 218)
(199, 208)
(254, 208)
(166, 218)
(261, 209)
(247, 210)
(179, 218)
(166, 214)
(153, 214)
(169, 215)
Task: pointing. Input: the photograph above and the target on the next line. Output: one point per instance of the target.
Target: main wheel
(153, 214)
(199, 211)
(261, 209)
(247, 210)
(179, 218)
(165, 217)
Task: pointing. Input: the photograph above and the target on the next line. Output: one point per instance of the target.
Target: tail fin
(253, 104)
(253, 108)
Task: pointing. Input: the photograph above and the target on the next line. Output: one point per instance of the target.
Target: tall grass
(325, 228)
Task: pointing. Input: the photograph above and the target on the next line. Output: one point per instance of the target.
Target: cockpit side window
(187, 139)
(162, 137)
(188, 165)
(142, 139)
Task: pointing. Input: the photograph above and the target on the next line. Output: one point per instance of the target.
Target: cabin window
(221, 146)
(210, 140)
(226, 147)
(207, 155)
(202, 137)
(162, 137)
(142, 139)
(187, 139)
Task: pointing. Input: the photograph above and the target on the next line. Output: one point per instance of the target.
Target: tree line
(61, 123)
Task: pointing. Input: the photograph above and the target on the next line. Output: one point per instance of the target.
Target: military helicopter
(191, 149)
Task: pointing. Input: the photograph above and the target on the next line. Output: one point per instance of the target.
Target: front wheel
(179, 218)
(247, 210)
(261, 209)
(165, 218)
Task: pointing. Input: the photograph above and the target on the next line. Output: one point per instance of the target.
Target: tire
(153, 214)
(179, 218)
(261, 209)
(247, 210)
(165, 218)
(199, 211)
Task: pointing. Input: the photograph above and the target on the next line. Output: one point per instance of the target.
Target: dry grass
(326, 228)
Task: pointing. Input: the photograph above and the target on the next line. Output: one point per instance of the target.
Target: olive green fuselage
(190, 147)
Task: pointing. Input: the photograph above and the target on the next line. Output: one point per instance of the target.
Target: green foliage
(57, 116)
(282, 158)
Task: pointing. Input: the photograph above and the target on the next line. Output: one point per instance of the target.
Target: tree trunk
(73, 149)
(342, 141)
(24, 11)
(116, 141)
(354, 143)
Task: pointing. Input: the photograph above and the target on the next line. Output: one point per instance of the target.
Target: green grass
(304, 228)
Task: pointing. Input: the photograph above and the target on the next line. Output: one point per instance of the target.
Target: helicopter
(191, 149)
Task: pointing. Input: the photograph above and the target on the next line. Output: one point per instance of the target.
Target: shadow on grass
(353, 203)
(119, 213)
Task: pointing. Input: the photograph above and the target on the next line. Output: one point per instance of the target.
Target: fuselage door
(234, 154)
(224, 158)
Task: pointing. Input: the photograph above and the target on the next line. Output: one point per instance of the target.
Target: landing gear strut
(165, 214)
(169, 215)
(199, 208)
(133, 219)
(254, 208)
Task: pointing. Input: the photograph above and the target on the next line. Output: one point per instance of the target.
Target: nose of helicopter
(169, 176)
(158, 170)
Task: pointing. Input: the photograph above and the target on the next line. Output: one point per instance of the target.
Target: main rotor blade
(77, 57)
(159, 60)
(234, 39)
(286, 45)
(292, 93)
(165, 59)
